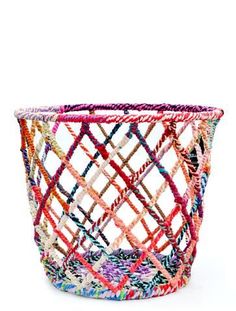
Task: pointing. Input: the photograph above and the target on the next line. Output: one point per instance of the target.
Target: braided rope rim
(170, 272)
(164, 112)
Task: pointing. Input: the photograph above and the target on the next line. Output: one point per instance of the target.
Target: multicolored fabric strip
(116, 193)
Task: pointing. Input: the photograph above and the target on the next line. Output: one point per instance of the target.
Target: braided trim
(163, 112)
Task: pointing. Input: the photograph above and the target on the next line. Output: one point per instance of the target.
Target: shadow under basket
(116, 194)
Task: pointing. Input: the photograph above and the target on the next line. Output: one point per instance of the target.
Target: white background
(67, 52)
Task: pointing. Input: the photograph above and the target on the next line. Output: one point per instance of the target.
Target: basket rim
(161, 112)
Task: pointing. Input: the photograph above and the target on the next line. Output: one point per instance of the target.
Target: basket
(116, 194)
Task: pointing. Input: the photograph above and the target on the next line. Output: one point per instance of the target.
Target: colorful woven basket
(116, 194)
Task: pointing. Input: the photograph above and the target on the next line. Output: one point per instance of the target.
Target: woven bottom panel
(145, 282)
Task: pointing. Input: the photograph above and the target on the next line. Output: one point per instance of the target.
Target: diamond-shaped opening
(63, 137)
(75, 127)
(143, 127)
(139, 231)
(52, 163)
(176, 223)
(31, 126)
(154, 137)
(88, 144)
(166, 201)
(180, 180)
(110, 195)
(186, 137)
(105, 188)
(138, 159)
(169, 159)
(126, 213)
(86, 203)
(153, 180)
(97, 129)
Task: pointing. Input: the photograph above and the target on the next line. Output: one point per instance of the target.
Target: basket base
(145, 282)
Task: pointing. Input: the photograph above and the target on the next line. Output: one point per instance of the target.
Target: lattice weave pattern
(116, 194)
